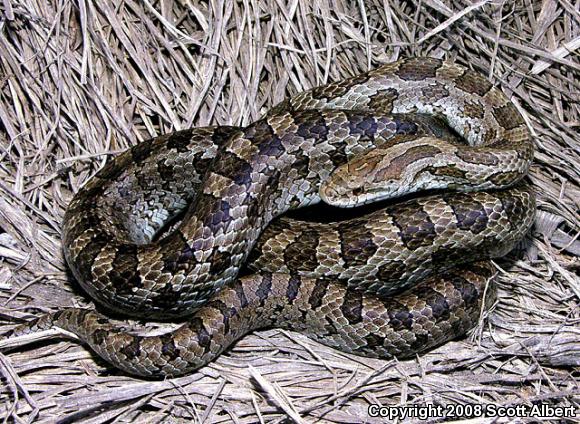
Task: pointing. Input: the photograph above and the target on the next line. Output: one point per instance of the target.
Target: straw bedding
(81, 81)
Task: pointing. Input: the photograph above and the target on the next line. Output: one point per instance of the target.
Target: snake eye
(358, 191)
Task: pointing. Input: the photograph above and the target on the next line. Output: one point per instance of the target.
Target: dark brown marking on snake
(220, 260)
(143, 180)
(373, 341)
(238, 288)
(168, 349)
(383, 100)
(221, 134)
(99, 336)
(179, 141)
(473, 110)
(311, 125)
(168, 295)
(436, 302)
(273, 183)
(225, 310)
(258, 131)
(356, 246)
(271, 145)
(468, 291)
(351, 306)
(418, 70)
(416, 228)
(111, 171)
(142, 150)
(255, 207)
(196, 325)
(489, 136)
(470, 155)
(504, 143)
(391, 271)
(435, 92)
(447, 256)
(166, 174)
(508, 116)
(181, 256)
(400, 318)
(470, 215)
(90, 219)
(400, 163)
(472, 82)
(219, 216)
(338, 155)
(501, 178)
(362, 125)
(263, 289)
(447, 170)
(421, 339)
(293, 288)
(125, 273)
(132, 349)
(200, 163)
(318, 293)
(338, 89)
(513, 207)
(301, 163)
(406, 127)
(301, 254)
(479, 269)
(235, 168)
(89, 253)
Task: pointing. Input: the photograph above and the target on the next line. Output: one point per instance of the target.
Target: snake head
(389, 172)
(358, 182)
(348, 190)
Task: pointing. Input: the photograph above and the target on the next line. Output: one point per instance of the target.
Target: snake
(188, 225)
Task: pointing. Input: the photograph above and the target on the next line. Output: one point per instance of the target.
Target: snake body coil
(373, 136)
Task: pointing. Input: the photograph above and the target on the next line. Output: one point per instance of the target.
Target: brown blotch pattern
(338, 89)
(470, 155)
(301, 255)
(501, 178)
(400, 163)
(419, 69)
(470, 215)
(383, 100)
(508, 117)
(448, 171)
(357, 247)
(472, 82)
(435, 92)
(391, 271)
(416, 228)
(474, 110)
(351, 306)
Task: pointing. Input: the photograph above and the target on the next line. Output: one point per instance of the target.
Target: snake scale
(395, 282)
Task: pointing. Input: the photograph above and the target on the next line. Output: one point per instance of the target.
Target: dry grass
(82, 80)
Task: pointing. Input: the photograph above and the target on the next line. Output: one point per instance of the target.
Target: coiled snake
(371, 137)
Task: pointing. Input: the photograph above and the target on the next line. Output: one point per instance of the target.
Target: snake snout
(341, 189)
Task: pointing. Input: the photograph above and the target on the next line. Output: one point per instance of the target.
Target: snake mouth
(352, 198)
